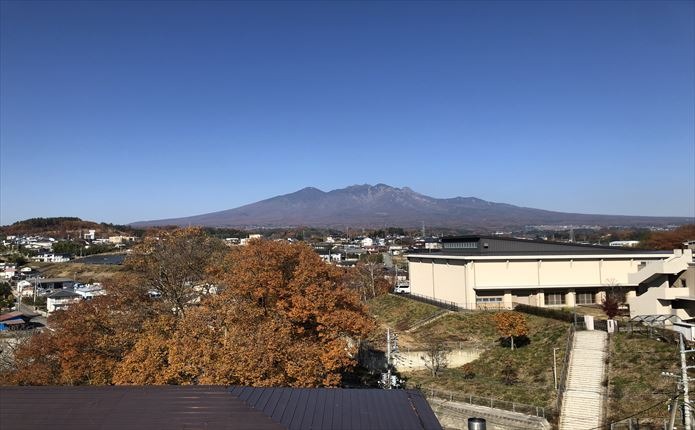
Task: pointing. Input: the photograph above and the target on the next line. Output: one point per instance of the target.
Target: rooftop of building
(213, 407)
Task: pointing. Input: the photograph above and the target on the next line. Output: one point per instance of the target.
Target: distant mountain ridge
(383, 205)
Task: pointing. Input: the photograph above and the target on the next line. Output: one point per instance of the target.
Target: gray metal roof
(63, 294)
(500, 245)
(341, 409)
(212, 408)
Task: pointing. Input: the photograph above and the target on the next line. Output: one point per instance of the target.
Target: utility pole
(555, 367)
(672, 417)
(683, 385)
(686, 383)
(388, 358)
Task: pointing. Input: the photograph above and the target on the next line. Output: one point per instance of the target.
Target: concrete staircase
(582, 403)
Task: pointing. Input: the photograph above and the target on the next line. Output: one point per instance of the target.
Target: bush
(510, 375)
(556, 314)
(468, 371)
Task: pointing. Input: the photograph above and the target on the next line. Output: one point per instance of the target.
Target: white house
(89, 291)
(61, 299)
(367, 242)
(51, 258)
(8, 271)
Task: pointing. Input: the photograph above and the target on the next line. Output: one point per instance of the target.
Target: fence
(565, 367)
(638, 424)
(454, 306)
(489, 402)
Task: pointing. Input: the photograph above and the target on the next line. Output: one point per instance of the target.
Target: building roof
(128, 407)
(62, 294)
(17, 315)
(53, 280)
(472, 245)
(341, 409)
(212, 408)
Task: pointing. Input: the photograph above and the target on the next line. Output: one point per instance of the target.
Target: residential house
(61, 299)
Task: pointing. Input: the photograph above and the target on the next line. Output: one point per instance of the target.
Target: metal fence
(639, 424)
(455, 306)
(489, 402)
(562, 383)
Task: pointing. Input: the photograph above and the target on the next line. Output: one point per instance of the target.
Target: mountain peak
(381, 204)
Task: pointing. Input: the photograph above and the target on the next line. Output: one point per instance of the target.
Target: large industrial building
(488, 271)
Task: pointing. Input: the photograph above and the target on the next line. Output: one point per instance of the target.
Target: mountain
(380, 205)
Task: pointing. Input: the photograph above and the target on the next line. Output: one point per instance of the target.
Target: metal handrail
(456, 306)
(522, 408)
(565, 367)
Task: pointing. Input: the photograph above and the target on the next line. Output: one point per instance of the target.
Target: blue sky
(124, 111)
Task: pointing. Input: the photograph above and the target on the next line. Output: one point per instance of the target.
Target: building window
(554, 299)
(460, 245)
(585, 298)
(488, 299)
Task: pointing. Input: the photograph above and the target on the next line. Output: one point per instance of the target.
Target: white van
(403, 287)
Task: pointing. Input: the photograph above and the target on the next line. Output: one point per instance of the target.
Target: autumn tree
(511, 325)
(510, 375)
(669, 240)
(282, 313)
(367, 277)
(175, 263)
(86, 342)
(613, 298)
(6, 297)
(436, 356)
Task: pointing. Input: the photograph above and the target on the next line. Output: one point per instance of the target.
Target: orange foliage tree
(85, 343)
(511, 325)
(281, 316)
(669, 239)
(175, 264)
(284, 316)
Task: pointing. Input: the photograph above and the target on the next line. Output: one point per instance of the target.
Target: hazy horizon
(127, 111)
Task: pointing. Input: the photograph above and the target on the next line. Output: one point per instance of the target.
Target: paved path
(582, 403)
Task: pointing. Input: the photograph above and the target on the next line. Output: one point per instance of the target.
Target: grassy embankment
(79, 271)
(533, 363)
(635, 376)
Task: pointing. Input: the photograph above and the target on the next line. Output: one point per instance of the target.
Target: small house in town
(61, 299)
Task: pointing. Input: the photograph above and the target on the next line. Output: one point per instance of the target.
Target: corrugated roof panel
(121, 407)
(296, 423)
(310, 407)
(342, 409)
(282, 404)
(316, 418)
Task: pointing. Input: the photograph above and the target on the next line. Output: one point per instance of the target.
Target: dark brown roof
(16, 315)
(126, 407)
(212, 408)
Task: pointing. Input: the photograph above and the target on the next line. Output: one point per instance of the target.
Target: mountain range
(382, 205)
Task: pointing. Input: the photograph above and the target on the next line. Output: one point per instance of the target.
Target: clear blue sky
(124, 111)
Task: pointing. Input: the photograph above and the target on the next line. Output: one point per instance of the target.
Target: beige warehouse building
(481, 271)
